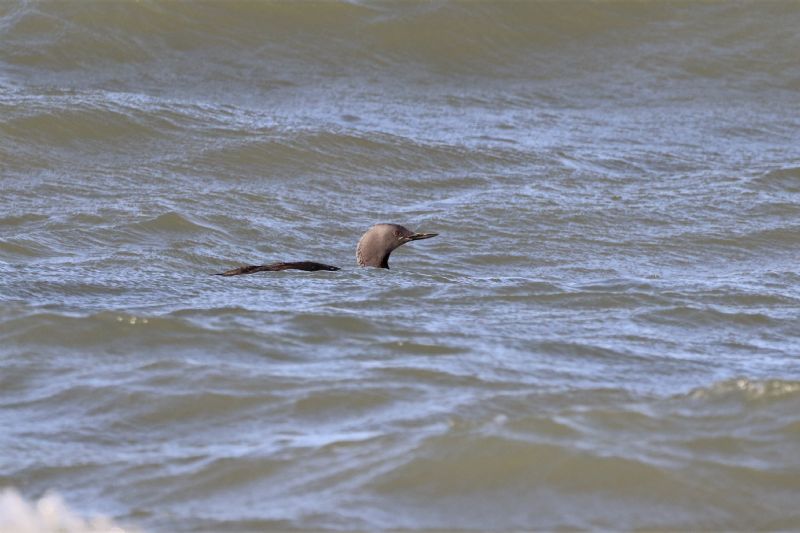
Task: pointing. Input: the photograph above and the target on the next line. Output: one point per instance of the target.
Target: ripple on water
(171, 222)
(780, 180)
(697, 317)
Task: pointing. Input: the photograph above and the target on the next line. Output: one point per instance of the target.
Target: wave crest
(748, 390)
(49, 514)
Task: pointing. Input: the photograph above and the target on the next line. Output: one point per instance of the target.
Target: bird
(373, 250)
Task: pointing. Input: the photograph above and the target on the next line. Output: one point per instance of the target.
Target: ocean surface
(604, 335)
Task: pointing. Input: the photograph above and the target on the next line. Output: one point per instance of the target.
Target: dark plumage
(274, 267)
(372, 250)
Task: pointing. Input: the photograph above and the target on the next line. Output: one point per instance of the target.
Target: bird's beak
(420, 236)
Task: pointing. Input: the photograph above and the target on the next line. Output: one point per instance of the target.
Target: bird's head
(377, 243)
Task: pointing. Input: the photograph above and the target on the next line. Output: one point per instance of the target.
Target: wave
(690, 316)
(49, 514)
(171, 222)
(136, 32)
(749, 391)
(778, 237)
(72, 123)
(454, 36)
(346, 153)
(104, 118)
(548, 454)
(779, 180)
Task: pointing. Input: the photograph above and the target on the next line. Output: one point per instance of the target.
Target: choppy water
(606, 333)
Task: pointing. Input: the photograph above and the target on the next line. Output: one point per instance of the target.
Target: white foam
(48, 515)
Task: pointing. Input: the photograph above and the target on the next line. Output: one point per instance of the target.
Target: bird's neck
(378, 261)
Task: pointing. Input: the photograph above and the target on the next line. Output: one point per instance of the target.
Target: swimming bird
(373, 250)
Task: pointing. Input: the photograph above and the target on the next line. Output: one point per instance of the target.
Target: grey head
(377, 243)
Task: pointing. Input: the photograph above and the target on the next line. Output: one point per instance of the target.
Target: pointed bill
(420, 236)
